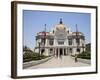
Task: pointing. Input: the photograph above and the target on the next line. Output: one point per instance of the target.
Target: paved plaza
(55, 62)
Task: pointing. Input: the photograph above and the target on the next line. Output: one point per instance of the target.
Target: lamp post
(39, 48)
(77, 38)
(83, 47)
(44, 39)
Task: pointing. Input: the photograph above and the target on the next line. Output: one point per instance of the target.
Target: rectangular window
(43, 41)
(61, 42)
(70, 41)
(78, 41)
(51, 42)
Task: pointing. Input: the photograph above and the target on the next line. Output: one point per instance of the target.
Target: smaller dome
(78, 33)
(43, 33)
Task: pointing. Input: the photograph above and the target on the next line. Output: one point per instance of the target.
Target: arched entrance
(61, 51)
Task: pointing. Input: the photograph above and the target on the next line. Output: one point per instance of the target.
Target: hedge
(32, 56)
(84, 55)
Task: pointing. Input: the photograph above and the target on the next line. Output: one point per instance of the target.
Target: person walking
(76, 58)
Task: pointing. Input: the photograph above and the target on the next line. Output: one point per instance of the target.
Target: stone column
(81, 49)
(46, 42)
(54, 41)
(67, 51)
(58, 52)
(80, 42)
(64, 51)
(66, 42)
(55, 51)
(74, 42)
(46, 52)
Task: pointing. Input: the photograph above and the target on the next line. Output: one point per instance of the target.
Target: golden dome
(60, 27)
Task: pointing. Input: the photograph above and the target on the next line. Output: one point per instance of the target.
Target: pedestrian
(75, 57)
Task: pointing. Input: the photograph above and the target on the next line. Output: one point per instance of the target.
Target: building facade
(60, 41)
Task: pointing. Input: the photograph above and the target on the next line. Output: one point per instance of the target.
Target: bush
(32, 56)
(84, 55)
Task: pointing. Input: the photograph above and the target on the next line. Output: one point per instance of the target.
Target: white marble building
(60, 41)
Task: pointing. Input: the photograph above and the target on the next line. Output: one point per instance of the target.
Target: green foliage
(84, 55)
(32, 56)
(26, 55)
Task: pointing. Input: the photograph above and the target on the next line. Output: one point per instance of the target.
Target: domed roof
(60, 26)
(78, 33)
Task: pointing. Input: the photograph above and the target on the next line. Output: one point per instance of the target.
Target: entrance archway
(61, 51)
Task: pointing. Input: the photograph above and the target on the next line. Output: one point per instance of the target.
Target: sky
(34, 22)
